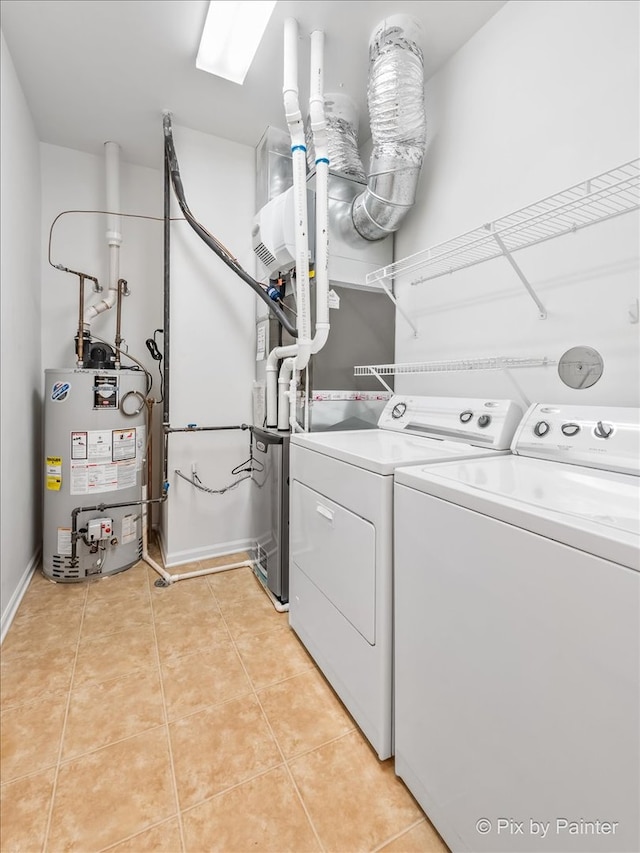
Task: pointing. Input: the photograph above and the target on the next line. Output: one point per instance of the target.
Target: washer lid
(593, 510)
(382, 451)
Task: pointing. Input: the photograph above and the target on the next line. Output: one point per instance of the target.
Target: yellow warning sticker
(54, 473)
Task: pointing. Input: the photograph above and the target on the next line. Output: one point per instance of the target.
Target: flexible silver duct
(398, 127)
(341, 116)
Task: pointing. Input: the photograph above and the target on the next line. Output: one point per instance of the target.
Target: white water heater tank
(95, 437)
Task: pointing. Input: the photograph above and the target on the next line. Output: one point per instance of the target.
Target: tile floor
(188, 718)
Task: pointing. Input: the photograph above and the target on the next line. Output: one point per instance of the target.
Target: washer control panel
(482, 423)
(605, 437)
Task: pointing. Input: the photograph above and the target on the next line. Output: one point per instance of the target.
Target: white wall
(21, 481)
(545, 96)
(212, 349)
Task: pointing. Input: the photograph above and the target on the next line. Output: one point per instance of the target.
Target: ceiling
(101, 70)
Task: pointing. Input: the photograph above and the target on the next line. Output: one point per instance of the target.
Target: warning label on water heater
(54, 473)
(105, 460)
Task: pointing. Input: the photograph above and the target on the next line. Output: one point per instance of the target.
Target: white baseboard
(179, 558)
(14, 602)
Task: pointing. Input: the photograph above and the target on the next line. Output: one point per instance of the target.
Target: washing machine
(341, 537)
(517, 637)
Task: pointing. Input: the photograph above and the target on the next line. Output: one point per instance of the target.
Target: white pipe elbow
(320, 338)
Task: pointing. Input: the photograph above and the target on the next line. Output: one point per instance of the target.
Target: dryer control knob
(465, 417)
(602, 430)
(398, 410)
(541, 428)
(570, 429)
(484, 420)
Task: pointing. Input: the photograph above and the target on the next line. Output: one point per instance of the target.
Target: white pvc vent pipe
(398, 127)
(281, 393)
(113, 235)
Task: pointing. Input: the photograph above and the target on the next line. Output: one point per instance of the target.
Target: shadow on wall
(37, 474)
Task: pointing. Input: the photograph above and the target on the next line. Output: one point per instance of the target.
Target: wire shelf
(596, 200)
(490, 363)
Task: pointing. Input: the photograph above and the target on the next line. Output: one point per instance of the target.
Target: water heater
(95, 437)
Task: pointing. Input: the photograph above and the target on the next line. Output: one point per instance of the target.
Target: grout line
(294, 758)
(54, 788)
(174, 780)
(93, 750)
(398, 835)
(233, 787)
(277, 743)
(136, 834)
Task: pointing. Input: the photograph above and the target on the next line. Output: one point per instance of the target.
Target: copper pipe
(80, 341)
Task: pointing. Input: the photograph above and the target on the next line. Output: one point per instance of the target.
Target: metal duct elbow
(398, 127)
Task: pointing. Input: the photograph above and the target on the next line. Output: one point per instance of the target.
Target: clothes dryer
(341, 537)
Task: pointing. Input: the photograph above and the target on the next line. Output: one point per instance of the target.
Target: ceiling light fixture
(231, 36)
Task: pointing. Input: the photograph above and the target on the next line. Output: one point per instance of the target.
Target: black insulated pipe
(166, 308)
(174, 170)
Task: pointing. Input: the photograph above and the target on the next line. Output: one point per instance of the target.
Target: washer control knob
(541, 428)
(398, 410)
(466, 416)
(602, 430)
(484, 420)
(570, 429)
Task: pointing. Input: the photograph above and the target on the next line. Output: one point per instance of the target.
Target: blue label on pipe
(299, 148)
(322, 160)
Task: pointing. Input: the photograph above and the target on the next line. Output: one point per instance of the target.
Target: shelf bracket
(381, 380)
(542, 311)
(508, 375)
(398, 308)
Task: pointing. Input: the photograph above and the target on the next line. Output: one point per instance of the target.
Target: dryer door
(336, 550)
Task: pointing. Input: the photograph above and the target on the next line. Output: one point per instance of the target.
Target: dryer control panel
(606, 437)
(479, 422)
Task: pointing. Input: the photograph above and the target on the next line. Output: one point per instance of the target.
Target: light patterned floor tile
(220, 747)
(104, 712)
(252, 616)
(263, 814)
(104, 658)
(196, 681)
(24, 806)
(235, 585)
(304, 712)
(30, 737)
(59, 630)
(113, 614)
(183, 634)
(273, 656)
(35, 676)
(130, 583)
(192, 596)
(355, 801)
(108, 795)
(46, 597)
